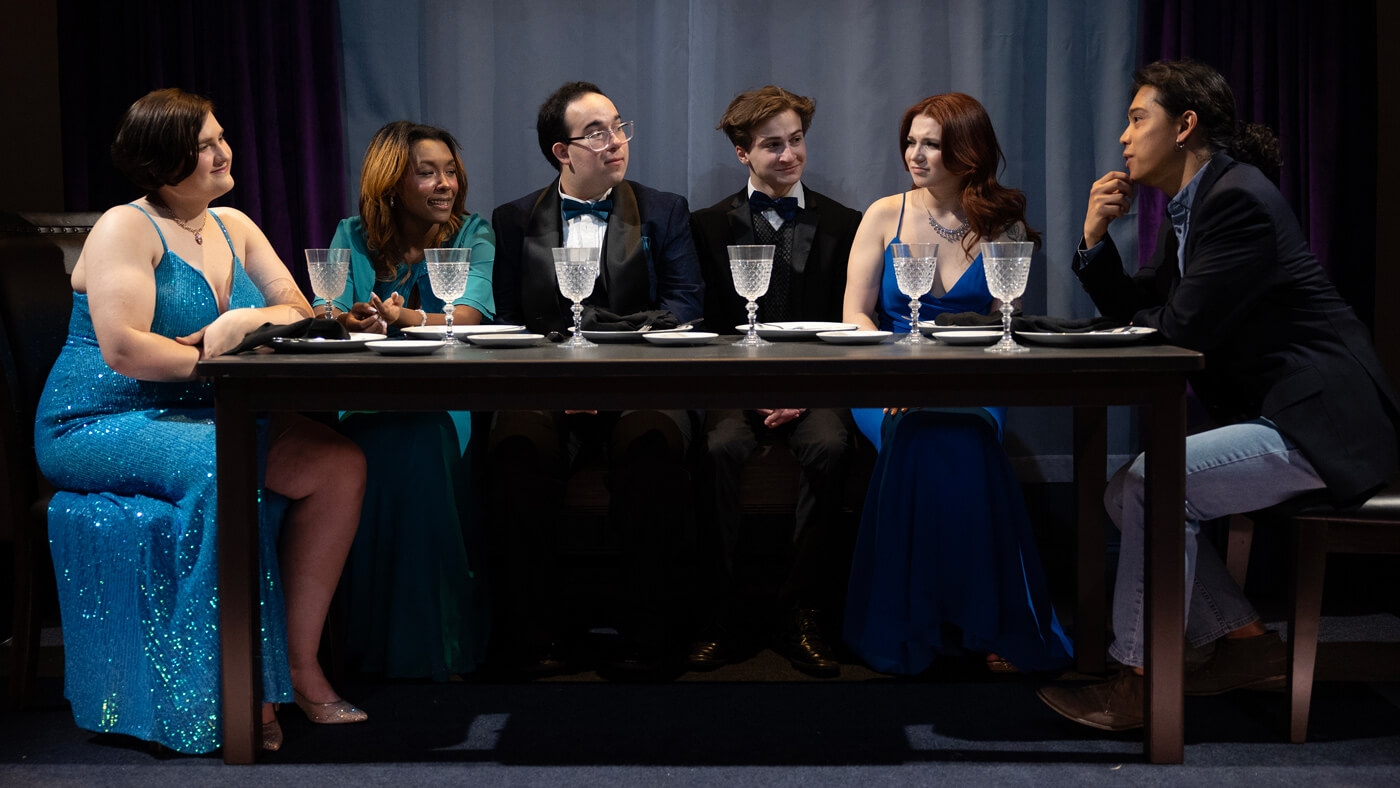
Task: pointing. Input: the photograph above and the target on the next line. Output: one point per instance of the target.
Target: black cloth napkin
(310, 328)
(1058, 325)
(595, 319)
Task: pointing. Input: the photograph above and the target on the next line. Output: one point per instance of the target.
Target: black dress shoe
(709, 654)
(539, 661)
(637, 661)
(803, 645)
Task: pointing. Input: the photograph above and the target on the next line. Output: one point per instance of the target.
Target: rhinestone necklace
(197, 232)
(955, 234)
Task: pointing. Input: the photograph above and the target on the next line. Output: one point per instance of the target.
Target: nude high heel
(335, 712)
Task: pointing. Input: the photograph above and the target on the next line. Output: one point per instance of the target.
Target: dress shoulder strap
(220, 222)
(900, 226)
(153, 224)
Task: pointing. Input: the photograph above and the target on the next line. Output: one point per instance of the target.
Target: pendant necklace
(197, 232)
(956, 234)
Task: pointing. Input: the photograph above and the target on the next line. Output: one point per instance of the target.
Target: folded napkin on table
(310, 328)
(595, 319)
(1058, 325)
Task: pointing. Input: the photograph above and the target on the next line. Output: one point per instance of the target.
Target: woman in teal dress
(944, 541)
(418, 607)
(126, 433)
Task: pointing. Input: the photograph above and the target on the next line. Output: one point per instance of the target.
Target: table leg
(238, 565)
(1090, 463)
(1165, 569)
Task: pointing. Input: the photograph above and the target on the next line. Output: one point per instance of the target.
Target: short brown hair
(753, 108)
(157, 140)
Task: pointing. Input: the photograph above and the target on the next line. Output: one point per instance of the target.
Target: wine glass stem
(447, 313)
(1005, 322)
(753, 320)
(328, 309)
(578, 321)
(913, 318)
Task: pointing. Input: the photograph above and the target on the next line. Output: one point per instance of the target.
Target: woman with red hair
(944, 538)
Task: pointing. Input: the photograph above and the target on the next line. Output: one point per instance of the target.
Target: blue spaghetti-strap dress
(944, 536)
(133, 529)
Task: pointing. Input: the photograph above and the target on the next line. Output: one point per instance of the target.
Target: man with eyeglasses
(649, 274)
(812, 234)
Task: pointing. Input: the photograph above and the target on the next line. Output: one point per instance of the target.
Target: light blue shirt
(1179, 211)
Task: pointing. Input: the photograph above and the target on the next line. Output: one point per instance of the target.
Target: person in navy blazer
(813, 235)
(1291, 379)
(648, 265)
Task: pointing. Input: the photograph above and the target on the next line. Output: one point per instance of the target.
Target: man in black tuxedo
(812, 234)
(1298, 394)
(648, 265)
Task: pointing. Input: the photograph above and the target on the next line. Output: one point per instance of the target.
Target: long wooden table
(719, 375)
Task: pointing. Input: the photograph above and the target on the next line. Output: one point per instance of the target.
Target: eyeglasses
(600, 140)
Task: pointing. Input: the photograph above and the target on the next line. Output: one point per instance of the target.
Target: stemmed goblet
(914, 267)
(328, 269)
(576, 268)
(1008, 265)
(751, 265)
(447, 274)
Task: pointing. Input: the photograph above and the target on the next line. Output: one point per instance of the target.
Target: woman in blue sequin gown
(945, 547)
(417, 600)
(126, 434)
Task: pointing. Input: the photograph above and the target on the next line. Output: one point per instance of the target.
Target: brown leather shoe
(1258, 663)
(1113, 705)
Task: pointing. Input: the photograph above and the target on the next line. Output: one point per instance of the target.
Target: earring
(1181, 144)
(394, 201)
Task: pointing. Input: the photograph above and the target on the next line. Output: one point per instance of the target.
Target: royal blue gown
(133, 530)
(944, 536)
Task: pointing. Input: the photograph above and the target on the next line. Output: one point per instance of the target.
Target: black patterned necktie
(774, 307)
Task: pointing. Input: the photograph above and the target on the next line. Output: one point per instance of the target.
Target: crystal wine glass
(1008, 265)
(447, 274)
(751, 266)
(914, 267)
(328, 269)
(576, 268)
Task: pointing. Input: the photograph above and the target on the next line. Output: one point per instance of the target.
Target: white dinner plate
(505, 340)
(679, 338)
(406, 347)
(356, 341)
(982, 337)
(853, 337)
(438, 332)
(621, 337)
(933, 329)
(795, 330)
(1116, 336)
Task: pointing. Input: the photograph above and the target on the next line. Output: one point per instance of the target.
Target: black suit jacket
(821, 245)
(1279, 341)
(648, 258)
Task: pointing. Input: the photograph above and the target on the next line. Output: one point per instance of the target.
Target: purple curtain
(271, 68)
(1308, 71)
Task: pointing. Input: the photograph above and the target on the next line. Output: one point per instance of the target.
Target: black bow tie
(600, 208)
(786, 207)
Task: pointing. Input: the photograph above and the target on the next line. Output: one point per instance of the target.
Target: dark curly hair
(1192, 85)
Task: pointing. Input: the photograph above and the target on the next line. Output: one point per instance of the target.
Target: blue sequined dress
(945, 540)
(133, 535)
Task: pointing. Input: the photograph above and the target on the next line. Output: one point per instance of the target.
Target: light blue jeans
(1234, 469)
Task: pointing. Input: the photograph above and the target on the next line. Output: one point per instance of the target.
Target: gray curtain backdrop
(1055, 76)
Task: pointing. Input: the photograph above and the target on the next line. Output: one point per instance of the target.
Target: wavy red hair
(971, 152)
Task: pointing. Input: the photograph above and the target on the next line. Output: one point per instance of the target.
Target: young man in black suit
(812, 234)
(648, 264)
(1291, 378)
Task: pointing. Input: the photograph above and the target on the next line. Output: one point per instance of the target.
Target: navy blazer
(821, 247)
(648, 258)
(1278, 338)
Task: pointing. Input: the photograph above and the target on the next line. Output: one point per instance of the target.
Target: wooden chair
(37, 252)
(1315, 529)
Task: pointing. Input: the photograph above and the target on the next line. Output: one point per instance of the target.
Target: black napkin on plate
(310, 328)
(1057, 325)
(595, 319)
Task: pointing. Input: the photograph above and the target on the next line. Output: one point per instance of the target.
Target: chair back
(37, 253)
